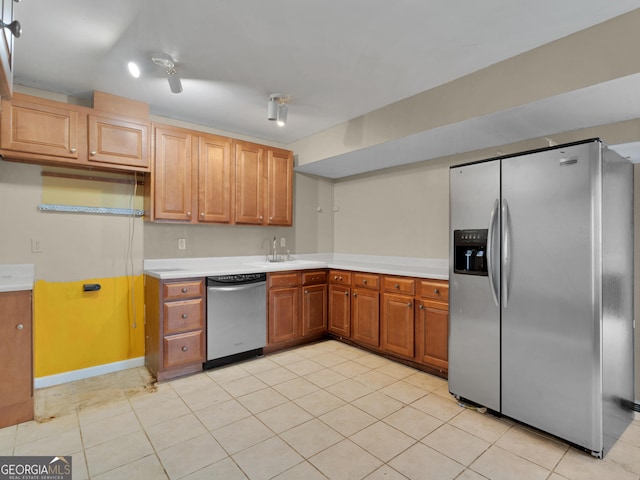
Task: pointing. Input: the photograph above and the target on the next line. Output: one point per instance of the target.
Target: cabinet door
(339, 310)
(6, 51)
(280, 187)
(432, 326)
(214, 179)
(173, 175)
(16, 369)
(42, 127)
(365, 316)
(118, 141)
(283, 315)
(250, 183)
(314, 309)
(397, 325)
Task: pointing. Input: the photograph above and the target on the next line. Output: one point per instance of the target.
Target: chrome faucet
(274, 255)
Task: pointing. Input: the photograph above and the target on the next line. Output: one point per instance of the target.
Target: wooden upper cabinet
(118, 141)
(173, 175)
(37, 126)
(249, 183)
(263, 185)
(280, 187)
(215, 179)
(6, 51)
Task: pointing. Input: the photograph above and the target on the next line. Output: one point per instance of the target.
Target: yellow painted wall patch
(74, 329)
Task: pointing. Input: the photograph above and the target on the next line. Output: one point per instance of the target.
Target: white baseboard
(51, 380)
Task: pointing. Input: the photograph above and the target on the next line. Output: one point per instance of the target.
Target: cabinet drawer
(435, 289)
(184, 289)
(183, 348)
(182, 316)
(314, 278)
(281, 280)
(366, 280)
(340, 277)
(399, 285)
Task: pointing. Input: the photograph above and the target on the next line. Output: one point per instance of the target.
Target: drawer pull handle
(364, 282)
(19, 326)
(184, 315)
(184, 349)
(185, 289)
(436, 291)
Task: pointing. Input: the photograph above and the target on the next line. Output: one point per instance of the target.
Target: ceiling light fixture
(134, 70)
(166, 61)
(277, 108)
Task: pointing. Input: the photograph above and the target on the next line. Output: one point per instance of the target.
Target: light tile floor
(320, 411)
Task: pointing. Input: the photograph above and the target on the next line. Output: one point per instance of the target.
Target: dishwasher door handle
(236, 288)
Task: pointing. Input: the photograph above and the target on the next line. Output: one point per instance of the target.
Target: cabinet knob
(397, 286)
(355, 294)
(185, 289)
(421, 307)
(436, 291)
(335, 278)
(93, 152)
(306, 292)
(19, 326)
(202, 214)
(73, 150)
(346, 293)
(184, 315)
(260, 217)
(184, 349)
(364, 282)
(340, 278)
(409, 304)
(189, 214)
(270, 218)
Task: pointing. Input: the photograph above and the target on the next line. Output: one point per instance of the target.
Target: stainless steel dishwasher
(236, 317)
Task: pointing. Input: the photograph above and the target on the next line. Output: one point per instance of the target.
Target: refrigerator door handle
(506, 253)
(490, 257)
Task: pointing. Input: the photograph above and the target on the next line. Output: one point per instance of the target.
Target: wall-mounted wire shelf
(46, 207)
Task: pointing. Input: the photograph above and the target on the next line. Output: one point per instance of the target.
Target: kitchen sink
(286, 263)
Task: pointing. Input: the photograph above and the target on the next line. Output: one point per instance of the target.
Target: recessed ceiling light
(134, 70)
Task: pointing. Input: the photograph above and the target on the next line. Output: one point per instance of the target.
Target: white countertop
(16, 277)
(173, 268)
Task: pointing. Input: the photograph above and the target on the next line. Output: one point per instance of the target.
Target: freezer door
(474, 315)
(551, 373)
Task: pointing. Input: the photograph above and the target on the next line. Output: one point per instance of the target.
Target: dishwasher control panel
(243, 278)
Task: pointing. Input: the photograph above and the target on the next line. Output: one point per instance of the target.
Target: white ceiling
(338, 59)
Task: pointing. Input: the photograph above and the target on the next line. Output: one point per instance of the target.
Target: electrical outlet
(36, 245)
(283, 242)
(182, 244)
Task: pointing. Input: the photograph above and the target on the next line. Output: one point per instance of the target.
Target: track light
(277, 108)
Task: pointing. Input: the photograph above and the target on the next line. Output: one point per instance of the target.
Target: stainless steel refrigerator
(541, 290)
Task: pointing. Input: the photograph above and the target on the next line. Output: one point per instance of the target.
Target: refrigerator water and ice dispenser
(470, 247)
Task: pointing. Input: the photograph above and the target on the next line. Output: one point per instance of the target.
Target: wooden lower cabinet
(365, 309)
(340, 310)
(297, 308)
(175, 338)
(397, 325)
(16, 358)
(314, 310)
(432, 329)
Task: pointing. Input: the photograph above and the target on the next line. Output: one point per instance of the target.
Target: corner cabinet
(16, 358)
(175, 312)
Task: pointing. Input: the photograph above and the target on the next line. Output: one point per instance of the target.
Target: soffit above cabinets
(593, 106)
